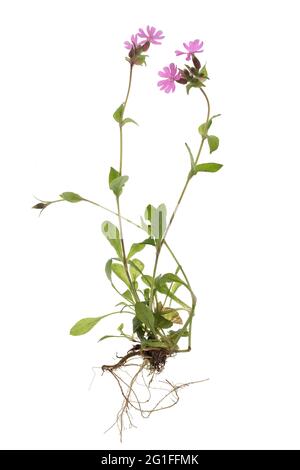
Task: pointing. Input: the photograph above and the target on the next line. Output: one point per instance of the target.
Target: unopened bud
(196, 62)
(132, 52)
(146, 46)
(41, 205)
(182, 81)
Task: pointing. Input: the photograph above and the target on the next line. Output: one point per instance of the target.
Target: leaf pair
(213, 141)
(116, 182)
(155, 222)
(118, 116)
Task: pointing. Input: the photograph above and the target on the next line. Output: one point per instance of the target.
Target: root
(139, 369)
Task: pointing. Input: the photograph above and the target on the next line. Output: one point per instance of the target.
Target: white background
(237, 233)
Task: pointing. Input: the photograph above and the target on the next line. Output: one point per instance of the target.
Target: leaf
(108, 269)
(191, 157)
(135, 248)
(149, 241)
(84, 326)
(112, 234)
(137, 327)
(111, 336)
(118, 114)
(208, 167)
(127, 121)
(203, 129)
(119, 271)
(162, 322)
(145, 315)
(128, 296)
(172, 315)
(121, 327)
(170, 277)
(164, 289)
(157, 219)
(136, 267)
(116, 182)
(71, 197)
(213, 142)
(148, 280)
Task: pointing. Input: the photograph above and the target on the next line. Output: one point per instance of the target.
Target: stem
(125, 264)
(189, 177)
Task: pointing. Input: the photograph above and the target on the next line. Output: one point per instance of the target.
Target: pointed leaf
(116, 182)
(127, 121)
(118, 114)
(208, 167)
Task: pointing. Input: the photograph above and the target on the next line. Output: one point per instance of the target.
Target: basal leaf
(145, 315)
(84, 326)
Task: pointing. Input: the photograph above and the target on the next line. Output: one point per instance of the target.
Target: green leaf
(203, 129)
(148, 280)
(118, 114)
(128, 296)
(162, 322)
(213, 142)
(116, 182)
(136, 267)
(71, 197)
(137, 327)
(111, 336)
(84, 326)
(113, 174)
(108, 269)
(145, 315)
(170, 277)
(191, 157)
(112, 234)
(157, 220)
(164, 289)
(117, 185)
(135, 248)
(208, 167)
(127, 121)
(119, 271)
(120, 328)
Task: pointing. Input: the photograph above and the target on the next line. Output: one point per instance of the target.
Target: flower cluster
(189, 76)
(140, 42)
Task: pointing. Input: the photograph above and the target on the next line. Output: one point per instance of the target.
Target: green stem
(189, 177)
(124, 256)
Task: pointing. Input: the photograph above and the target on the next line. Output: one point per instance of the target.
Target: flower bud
(182, 81)
(196, 62)
(146, 46)
(41, 205)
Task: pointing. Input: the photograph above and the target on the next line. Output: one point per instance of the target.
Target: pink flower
(170, 74)
(133, 42)
(192, 48)
(153, 36)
